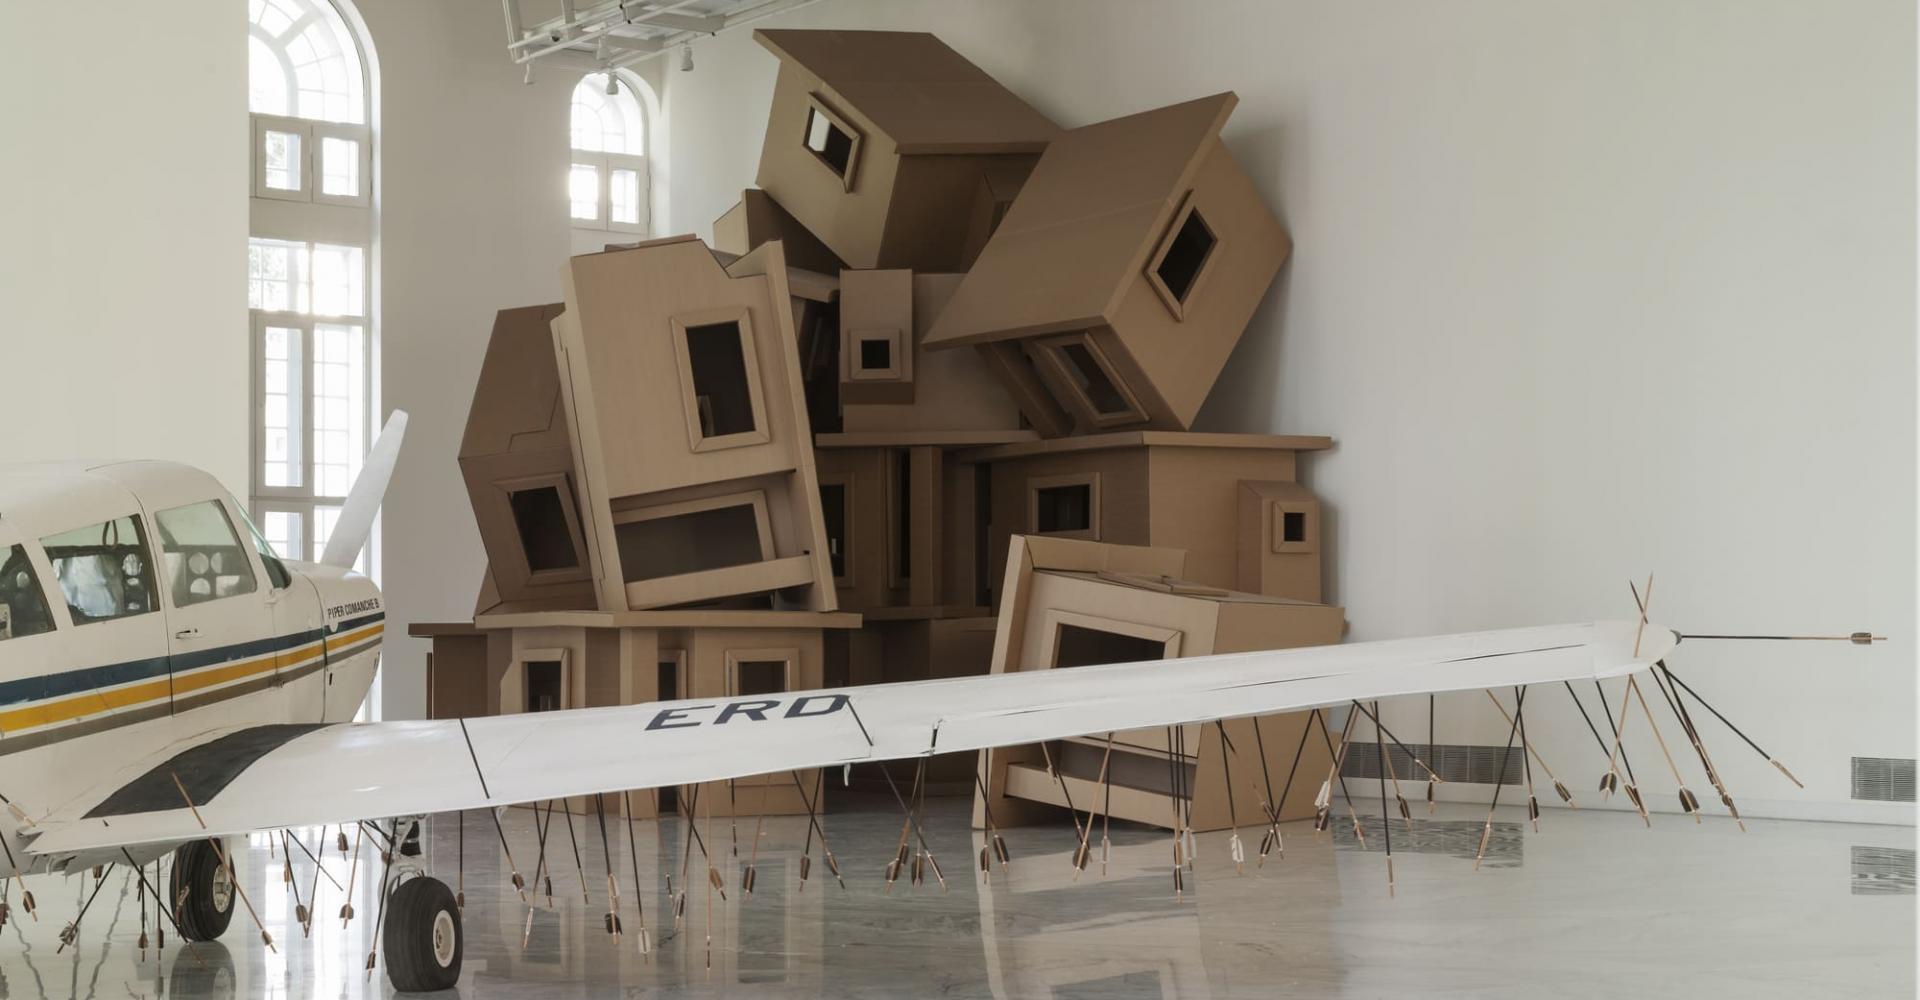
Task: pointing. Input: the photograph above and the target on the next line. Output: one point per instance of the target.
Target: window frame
(39, 576)
(243, 546)
(362, 137)
(900, 370)
(304, 501)
(690, 400)
(517, 674)
(1169, 638)
(756, 499)
(143, 540)
(845, 484)
(312, 161)
(788, 656)
(1050, 358)
(1175, 304)
(575, 530)
(817, 105)
(1091, 480)
(1309, 511)
(605, 164)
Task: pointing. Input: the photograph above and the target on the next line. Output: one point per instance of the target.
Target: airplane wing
(270, 777)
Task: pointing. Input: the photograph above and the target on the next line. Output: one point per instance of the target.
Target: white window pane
(280, 417)
(282, 528)
(307, 40)
(583, 188)
(339, 406)
(324, 518)
(339, 285)
(623, 196)
(277, 275)
(266, 79)
(281, 151)
(603, 122)
(339, 167)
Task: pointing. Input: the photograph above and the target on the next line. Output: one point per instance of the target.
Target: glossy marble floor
(1594, 905)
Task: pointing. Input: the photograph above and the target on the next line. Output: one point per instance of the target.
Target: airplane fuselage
(140, 616)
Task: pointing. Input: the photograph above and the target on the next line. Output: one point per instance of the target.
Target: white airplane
(167, 682)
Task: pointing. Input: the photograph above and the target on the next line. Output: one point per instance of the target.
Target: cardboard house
(517, 460)
(891, 148)
(1074, 603)
(695, 464)
(1113, 292)
(891, 384)
(1231, 502)
(543, 661)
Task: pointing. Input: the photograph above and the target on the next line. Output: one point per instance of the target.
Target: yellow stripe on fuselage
(161, 688)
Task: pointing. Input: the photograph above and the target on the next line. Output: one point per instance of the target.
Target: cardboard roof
(1089, 216)
(925, 96)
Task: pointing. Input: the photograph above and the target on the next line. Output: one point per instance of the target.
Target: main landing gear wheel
(423, 939)
(202, 891)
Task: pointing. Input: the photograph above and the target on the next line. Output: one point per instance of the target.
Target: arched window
(608, 185)
(309, 263)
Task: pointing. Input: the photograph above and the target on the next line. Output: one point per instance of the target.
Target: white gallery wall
(123, 238)
(1582, 292)
(472, 165)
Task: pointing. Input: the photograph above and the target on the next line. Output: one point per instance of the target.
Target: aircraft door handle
(187, 633)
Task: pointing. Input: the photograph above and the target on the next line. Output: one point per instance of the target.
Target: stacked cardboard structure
(942, 356)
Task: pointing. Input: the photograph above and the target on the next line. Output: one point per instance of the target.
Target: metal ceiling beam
(616, 33)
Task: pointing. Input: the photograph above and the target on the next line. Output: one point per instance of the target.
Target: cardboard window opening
(876, 354)
(544, 520)
(1183, 258)
(1293, 527)
(538, 680)
(900, 479)
(752, 672)
(832, 141)
(1078, 640)
(1064, 506)
(719, 380)
(836, 497)
(1085, 378)
(693, 536)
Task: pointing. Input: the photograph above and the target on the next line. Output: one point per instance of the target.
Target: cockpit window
(205, 561)
(103, 570)
(277, 575)
(23, 605)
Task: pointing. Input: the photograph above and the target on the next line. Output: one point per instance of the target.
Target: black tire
(203, 897)
(423, 939)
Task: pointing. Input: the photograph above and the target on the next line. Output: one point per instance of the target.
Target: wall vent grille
(1882, 871)
(1480, 765)
(1883, 779)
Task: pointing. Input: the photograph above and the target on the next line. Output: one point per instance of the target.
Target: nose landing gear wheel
(202, 891)
(423, 939)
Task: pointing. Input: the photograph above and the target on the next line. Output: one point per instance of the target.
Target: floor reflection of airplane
(166, 681)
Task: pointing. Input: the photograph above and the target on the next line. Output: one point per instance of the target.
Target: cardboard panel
(876, 310)
(1278, 546)
(682, 380)
(515, 452)
(1128, 602)
(757, 219)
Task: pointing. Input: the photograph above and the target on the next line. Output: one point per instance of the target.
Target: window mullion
(307, 436)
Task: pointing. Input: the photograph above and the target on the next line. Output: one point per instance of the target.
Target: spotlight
(613, 84)
(686, 58)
